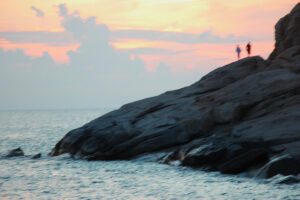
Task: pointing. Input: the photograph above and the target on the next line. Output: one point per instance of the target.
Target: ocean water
(64, 178)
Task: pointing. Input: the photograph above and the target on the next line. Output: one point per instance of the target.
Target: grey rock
(207, 155)
(15, 152)
(171, 119)
(36, 156)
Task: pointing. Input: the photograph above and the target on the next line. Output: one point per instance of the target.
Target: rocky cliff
(243, 117)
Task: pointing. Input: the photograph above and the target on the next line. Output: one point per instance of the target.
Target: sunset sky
(104, 53)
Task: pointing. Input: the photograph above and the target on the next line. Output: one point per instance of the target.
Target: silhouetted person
(248, 48)
(238, 51)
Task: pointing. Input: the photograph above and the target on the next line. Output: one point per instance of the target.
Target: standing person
(238, 51)
(248, 48)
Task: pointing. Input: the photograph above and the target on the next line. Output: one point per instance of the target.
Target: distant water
(64, 178)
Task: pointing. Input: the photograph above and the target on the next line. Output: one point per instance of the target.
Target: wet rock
(177, 155)
(279, 179)
(207, 155)
(153, 157)
(15, 152)
(244, 161)
(284, 165)
(36, 156)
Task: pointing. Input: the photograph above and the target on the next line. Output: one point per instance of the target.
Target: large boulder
(237, 116)
(206, 155)
(171, 119)
(15, 152)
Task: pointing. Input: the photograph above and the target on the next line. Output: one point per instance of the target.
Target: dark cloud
(39, 13)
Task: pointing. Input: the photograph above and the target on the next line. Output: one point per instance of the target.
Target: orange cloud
(193, 56)
(253, 18)
(132, 43)
(58, 53)
(164, 15)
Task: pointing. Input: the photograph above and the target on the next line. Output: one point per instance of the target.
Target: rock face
(235, 119)
(287, 32)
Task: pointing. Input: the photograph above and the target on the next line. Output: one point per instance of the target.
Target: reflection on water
(64, 178)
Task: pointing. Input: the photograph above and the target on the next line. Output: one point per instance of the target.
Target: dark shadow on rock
(244, 161)
(284, 165)
(205, 156)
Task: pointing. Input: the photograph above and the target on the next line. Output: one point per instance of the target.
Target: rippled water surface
(64, 178)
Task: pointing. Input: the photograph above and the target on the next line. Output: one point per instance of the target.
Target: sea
(37, 131)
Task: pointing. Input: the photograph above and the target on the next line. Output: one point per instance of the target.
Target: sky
(106, 53)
